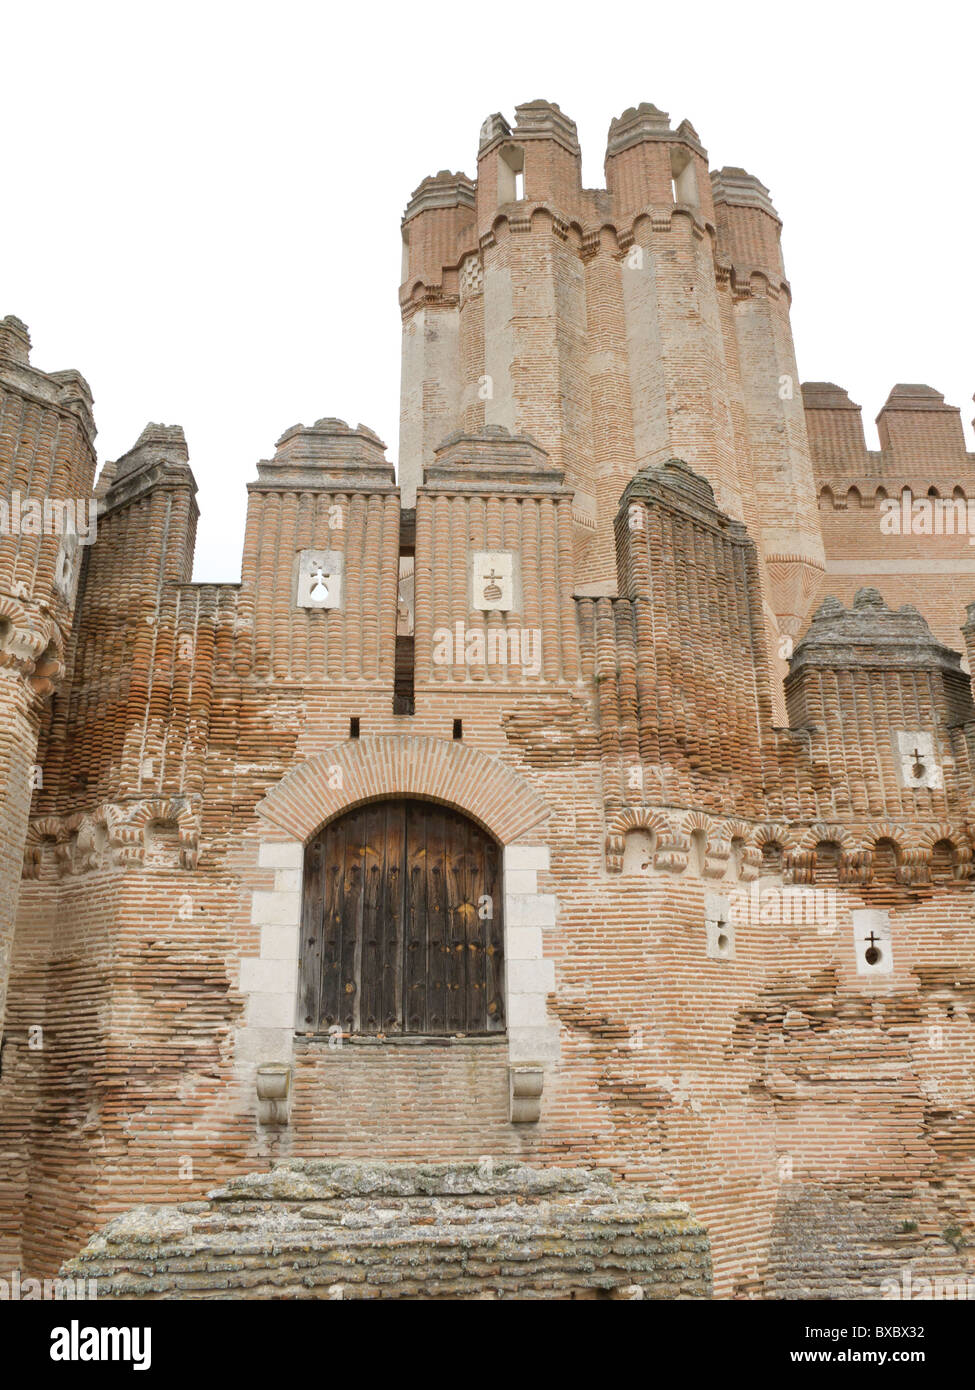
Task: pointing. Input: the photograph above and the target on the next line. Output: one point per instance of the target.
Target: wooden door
(401, 924)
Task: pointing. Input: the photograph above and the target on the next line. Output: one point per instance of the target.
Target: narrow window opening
(737, 858)
(885, 860)
(683, 181)
(639, 846)
(403, 689)
(827, 861)
(772, 858)
(943, 863)
(458, 728)
(511, 174)
(698, 851)
(354, 726)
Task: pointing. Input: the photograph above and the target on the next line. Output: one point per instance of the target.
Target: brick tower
(47, 467)
(618, 327)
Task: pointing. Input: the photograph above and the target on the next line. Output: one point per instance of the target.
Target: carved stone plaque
(493, 581)
(319, 579)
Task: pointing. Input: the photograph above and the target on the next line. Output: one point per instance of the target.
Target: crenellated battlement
(920, 434)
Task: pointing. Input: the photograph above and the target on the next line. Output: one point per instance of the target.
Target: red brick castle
(569, 829)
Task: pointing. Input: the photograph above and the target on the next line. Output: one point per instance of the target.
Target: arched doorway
(401, 924)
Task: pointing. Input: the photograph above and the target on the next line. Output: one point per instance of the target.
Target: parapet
(834, 424)
(443, 190)
(826, 395)
(870, 634)
(739, 189)
(14, 340)
(493, 127)
(537, 160)
(160, 454)
(917, 427)
(438, 229)
(156, 444)
(491, 461)
(648, 163)
(545, 120)
(66, 390)
(678, 478)
(328, 454)
(671, 487)
(749, 228)
(914, 396)
(648, 122)
(907, 669)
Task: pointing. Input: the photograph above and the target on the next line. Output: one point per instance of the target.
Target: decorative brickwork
(650, 617)
(350, 773)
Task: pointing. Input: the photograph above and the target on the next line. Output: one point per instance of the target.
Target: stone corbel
(525, 1080)
(29, 647)
(751, 864)
(914, 866)
(800, 865)
(672, 851)
(716, 856)
(273, 1092)
(856, 866)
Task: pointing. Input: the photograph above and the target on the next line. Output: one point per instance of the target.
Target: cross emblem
(319, 589)
(918, 769)
(872, 954)
(493, 590)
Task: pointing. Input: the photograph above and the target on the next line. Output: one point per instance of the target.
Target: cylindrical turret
(438, 232)
(759, 347)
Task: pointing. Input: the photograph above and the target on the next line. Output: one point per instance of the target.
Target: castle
(574, 820)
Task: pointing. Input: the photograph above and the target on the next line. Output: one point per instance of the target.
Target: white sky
(202, 202)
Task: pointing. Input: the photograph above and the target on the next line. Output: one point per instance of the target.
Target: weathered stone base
(342, 1229)
(869, 1241)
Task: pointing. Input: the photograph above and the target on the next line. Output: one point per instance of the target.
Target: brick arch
(899, 835)
(431, 769)
(631, 818)
(824, 832)
(953, 835)
(697, 820)
(945, 830)
(639, 818)
(775, 832)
